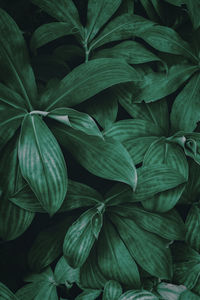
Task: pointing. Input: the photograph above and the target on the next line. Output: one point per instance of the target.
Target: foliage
(100, 150)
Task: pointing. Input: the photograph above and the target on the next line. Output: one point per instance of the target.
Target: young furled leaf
(98, 13)
(14, 62)
(107, 159)
(42, 163)
(185, 110)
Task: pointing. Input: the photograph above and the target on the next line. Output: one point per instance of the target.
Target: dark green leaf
(194, 7)
(185, 110)
(16, 70)
(107, 159)
(42, 163)
(64, 273)
(135, 294)
(87, 80)
(89, 295)
(110, 249)
(149, 250)
(98, 13)
(112, 290)
(5, 293)
(193, 226)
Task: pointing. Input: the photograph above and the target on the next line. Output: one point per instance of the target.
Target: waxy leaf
(112, 290)
(193, 225)
(16, 69)
(79, 239)
(185, 110)
(149, 250)
(48, 33)
(87, 80)
(98, 13)
(121, 28)
(106, 159)
(137, 295)
(42, 163)
(110, 248)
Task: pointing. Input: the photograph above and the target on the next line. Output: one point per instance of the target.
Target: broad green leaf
(149, 250)
(48, 244)
(87, 80)
(16, 71)
(137, 295)
(122, 27)
(38, 291)
(170, 291)
(90, 275)
(194, 7)
(119, 193)
(5, 293)
(112, 290)
(129, 129)
(155, 179)
(185, 110)
(193, 225)
(167, 40)
(153, 9)
(167, 225)
(62, 10)
(98, 13)
(110, 249)
(156, 85)
(189, 295)
(11, 98)
(103, 107)
(106, 159)
(89, 295)
(49, 32)
(79, 239)
(162, 152)
(132, 52)
(64, 273)
(14, 221)
(42, 163)
(75, 119)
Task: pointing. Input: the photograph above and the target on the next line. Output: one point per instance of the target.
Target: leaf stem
(39, 112)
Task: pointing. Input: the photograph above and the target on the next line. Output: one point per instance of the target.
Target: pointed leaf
(193, 226)
(16, 69)
(87, 80)
(110, 248)
(42, 163)
(106, 159)
(112, 290)
(98, 13)
(185, 116)
(149, 250)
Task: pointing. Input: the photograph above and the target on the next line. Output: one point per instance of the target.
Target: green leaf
(122, 27)
(42, 163)
(64, 11)
(97, 222)
(38, 291)
(47, 33)
(167, 225)
(185, 116)
(98, 13)
(129, 129)
(87, 80)
(88, 295)
(119, 193)
(162, 152)
(149, 250)
(5, 293)
(106, 159)
(189, 295)
(194, 7)
(193, 224)
(64, 273)
(14, 221)
(12, 99)
(16, 70)
(170, 291)
(76, 120)
(48, 244)
(167, 40)
(79, 239)
(127, 6)
(110, 248)
(155, 179)
(136, 294)
(112, 290)
(103, 107)
(132, 52)
(156, 85)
